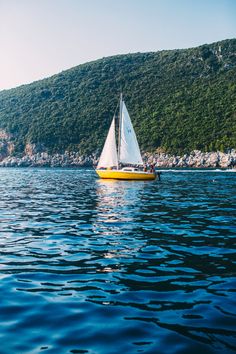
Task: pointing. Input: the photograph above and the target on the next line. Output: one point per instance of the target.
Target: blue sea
(109, 267)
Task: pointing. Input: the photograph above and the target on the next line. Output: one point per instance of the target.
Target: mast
(119, 134)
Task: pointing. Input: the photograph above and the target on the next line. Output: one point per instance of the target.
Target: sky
(39, 38)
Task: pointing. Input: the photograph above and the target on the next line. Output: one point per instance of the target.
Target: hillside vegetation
(179, 101)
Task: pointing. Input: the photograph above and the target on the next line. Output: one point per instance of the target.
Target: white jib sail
(108, 157)
(129, 149)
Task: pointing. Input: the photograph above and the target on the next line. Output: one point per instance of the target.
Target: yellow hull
(137, 175)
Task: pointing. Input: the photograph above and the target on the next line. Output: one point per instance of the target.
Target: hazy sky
(39, 38)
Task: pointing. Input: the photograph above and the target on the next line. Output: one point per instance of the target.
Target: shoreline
(196, 159)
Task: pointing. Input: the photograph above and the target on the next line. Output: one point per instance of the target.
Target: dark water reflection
(91, 266)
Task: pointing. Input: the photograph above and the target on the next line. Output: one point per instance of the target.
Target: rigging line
(116, 108)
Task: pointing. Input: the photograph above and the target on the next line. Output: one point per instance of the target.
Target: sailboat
(125, 162)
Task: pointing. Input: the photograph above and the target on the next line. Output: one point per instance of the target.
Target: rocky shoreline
(195, 159)
(35, 155)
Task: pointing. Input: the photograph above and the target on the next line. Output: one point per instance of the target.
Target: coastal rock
(32, 149)
(6, 145)
(196, 159)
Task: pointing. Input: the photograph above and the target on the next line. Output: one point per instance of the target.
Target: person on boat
(151, 168)
(145, 168)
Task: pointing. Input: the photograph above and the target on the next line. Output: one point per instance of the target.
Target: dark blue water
(92, 266)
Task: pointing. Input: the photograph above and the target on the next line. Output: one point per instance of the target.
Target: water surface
(105, 267)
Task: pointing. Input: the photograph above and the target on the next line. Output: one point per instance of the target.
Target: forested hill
(179, 101)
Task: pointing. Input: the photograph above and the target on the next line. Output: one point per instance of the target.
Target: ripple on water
(92, 266)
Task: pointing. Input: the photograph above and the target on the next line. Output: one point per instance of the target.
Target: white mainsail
(129, 151)
(108, 157)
